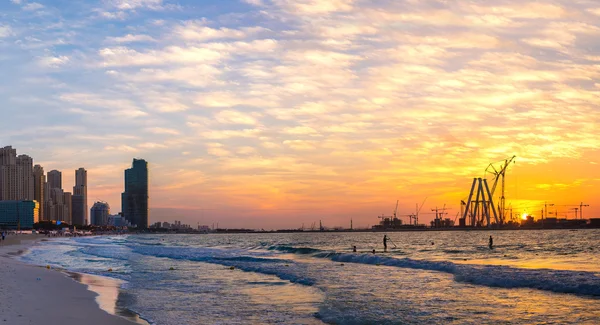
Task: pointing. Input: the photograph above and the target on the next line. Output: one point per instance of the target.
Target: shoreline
(36, 295)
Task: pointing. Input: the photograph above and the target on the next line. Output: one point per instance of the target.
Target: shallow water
(530, 277)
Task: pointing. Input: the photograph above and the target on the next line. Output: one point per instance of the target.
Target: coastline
(36, 295)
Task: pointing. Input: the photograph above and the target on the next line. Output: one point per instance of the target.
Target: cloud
(234, 117)
(129, 38)
(197, 31)
(5, 31)
(33, 6)
(316, 6)
(123, 56)
(136, 4)
(312, 103)
(162, 130)
(53, 61)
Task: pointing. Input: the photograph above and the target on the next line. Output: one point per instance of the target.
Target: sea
(428, 277)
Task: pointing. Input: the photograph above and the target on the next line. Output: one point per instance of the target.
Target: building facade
(39, 181)
(18, 214)
(100, 213)
(77, 215)
(134, 201)
(16, 176)
(80, 189)
(54, 179)
(68, 204)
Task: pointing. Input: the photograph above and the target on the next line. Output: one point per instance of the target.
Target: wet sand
(35, 295)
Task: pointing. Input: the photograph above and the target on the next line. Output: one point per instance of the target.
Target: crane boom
(499, 173)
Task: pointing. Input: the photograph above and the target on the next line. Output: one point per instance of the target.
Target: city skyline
(271, 114)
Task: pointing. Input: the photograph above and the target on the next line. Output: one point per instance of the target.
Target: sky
(281, 113)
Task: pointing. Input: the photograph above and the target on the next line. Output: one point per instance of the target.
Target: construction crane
(418, 210)
(499, 173)
(581, 209)
(575, 209)
(578, 206)
(439, 213)
(443, 210)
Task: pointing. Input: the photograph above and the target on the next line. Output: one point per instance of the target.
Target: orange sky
(274, 113)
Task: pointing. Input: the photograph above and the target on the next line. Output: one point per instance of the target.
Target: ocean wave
(559, 281)
(252, 259)
(294, 250)
(283, 269)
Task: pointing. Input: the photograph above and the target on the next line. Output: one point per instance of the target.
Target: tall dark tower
(134, 201)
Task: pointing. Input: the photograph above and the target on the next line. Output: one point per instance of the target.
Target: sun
(524, 216)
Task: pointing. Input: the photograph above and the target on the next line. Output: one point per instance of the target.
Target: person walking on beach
(385, 239)
(354, 249)
(491, 243)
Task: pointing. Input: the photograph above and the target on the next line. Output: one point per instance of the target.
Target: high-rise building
(54, 179)
(80, 189)
(25, 174)
(48, 212)
(134, 201)
(8, 156)
(100, 213)
(57, 198)
(77, 215)
(39, 181)
(16, 176)
(68, 202)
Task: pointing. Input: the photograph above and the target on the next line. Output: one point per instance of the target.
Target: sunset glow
(279, 113)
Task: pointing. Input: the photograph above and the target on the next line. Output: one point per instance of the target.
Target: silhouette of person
(491, 242)
(373, 250)
(354, 249)
(385, 239)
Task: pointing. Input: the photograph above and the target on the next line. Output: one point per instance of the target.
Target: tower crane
(499, 173)
(578, 207)
(581, 209)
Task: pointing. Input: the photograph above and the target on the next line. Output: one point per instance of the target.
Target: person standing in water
(491, 243)
(385, 239)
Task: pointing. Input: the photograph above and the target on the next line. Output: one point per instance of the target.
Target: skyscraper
(39, 181)
(68, 207)
(54, 179)
(16, 175)
(8, 174)
(77, 215)
(134, 201)
(57, 197)
(25, 188)
(80, 189)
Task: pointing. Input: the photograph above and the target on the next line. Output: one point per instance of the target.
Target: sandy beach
(35, 295)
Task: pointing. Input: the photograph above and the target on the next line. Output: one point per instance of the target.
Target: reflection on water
(109, 294)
